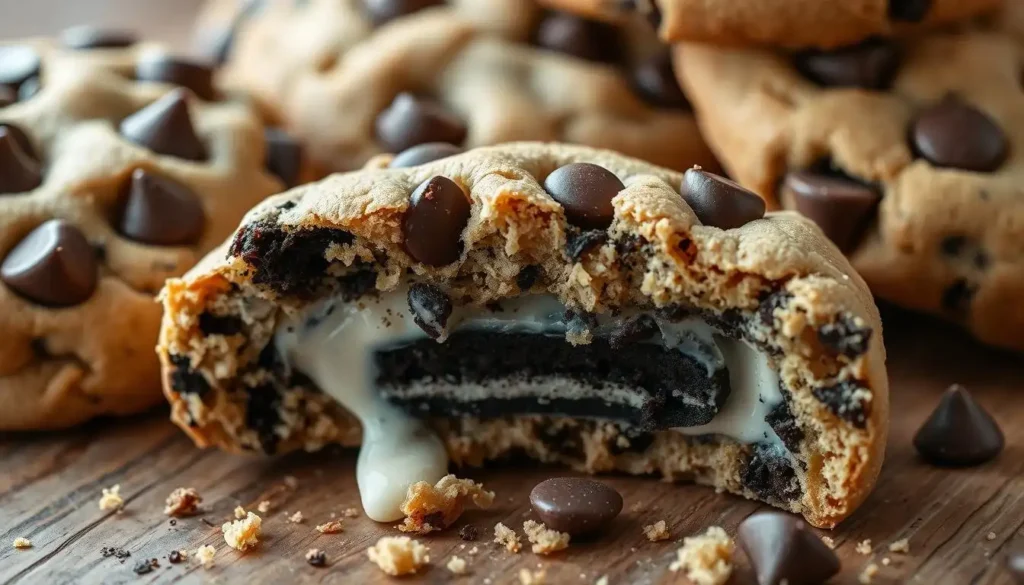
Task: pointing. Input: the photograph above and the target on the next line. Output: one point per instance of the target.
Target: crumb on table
(507, 537)
(316, 557)
(331, 527)
(398, 555)
(205, 554)
(243, 534)
(706, 559)
(182, 502)
(435, 507)
(350, 513)
(456, 565)
(900, 546)
(528, 577)
(868, 574)
(263, 507)
(239, 512)
(22, 542)
(545, 540)
(863, 547)
(657, 531)
(296, 518)
(828, 541)
(111, 498)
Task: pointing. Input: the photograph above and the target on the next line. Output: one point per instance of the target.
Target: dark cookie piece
(165, 68)
(868, 65)
(956, 299)
(438, 212)
(841, 207)
(165, 127)
(783, 549)
(211, 324)
(527, 277)
(782, 421)
(283, 156)
(654, 80)
(185, 380)
(634, 330)
(959, 432)
(957, 135)
(719, 202)
(909, 10)
(262, 415)
(582, 38)
(577, 505)
(17, 64)
(54, 265)
(585, 192)
(90, 37)
(845, 338)
(579, 243)
(19, 172)
(316, 557)
(468, 533)
(412, 120)
(382, 11)
(160, 211)
(424, 153)
(845, 399)
(430, 308)
(769, 474)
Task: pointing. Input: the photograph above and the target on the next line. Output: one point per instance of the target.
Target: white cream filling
(333, 343)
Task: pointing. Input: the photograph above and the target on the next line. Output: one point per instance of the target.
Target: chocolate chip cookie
(117, 170)
(354, 79)
(570, 303)
(907, 154)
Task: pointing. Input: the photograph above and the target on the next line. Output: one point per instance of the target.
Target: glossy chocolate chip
(783, 549)
(53, 266)
(18, 63)
(909, 10)
(868, 65)
(424, 153)
(577, 505)
(19, 172)
(430, 308)
(841, 207)
(382, 11)
(579, 37)
(412, 120)
(29, 88)
(165, 127)
(959, 432)
(719, 202)
(165, 68)
(655, 81)
(160, 211)
(283, 156)
(955, 134)
(438, 212)
(585, 192)
(91, 37)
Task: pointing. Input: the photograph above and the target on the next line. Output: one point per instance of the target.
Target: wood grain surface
(960, 523)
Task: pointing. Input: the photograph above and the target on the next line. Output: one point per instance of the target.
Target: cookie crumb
(469, 533)
(263, 507)
(507, 537)
(182, 502)
(239, 512)
(435, 507)
(316, 557)
(350, 513)
(990, 536)
(398, 555)
(205, 554)
(145, 566)
(118, 553)
(243, 534)
(657, 531)
(707, 558)
(901, 546)
(474, 550)
(456, 565)
(864, 547)
(111, 498)
(291, 482)
(177, 556)
(828, 542)
(296, 518)
(22, 542)
(868, 574)
(528, 577)
(545, 540)
(332, 527)
(886, 561)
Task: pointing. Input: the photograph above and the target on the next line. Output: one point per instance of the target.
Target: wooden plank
(960, 523)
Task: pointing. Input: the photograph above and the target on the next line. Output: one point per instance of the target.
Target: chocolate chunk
(577, 505)
(160, 211)
(18, 63)
(165, 68)
(283, 156)
(382, 11)
(719, 202)
(842, 208)
(54, 265)
(175, 557)
(424, 153)
(844, 337)
(634, 330)
(412, 120)
(783, 549)
(438, 212)
(1015, 564)
(468, 533)
(527, 277)
(316, 558)
(845, 399)
(579, 37)
(579, 243)
(957, 297)
(291, 262)
(91, 37)
(19, 172)
(585, 191)
(868, 65)
(655, 81)
(909, 10)
(29, 88)
(430, 308)
(959, 432)
(957, 135)
(770, 475)
(165, 127)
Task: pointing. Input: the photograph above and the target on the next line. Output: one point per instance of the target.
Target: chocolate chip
(160, 211)
(1015, 564)
(54, 265)
(18, 63)
(579, 243)
(842, 208)
(959, 432)
(424, 153)
(430, 308)
(468, 533)
(382, 11)
(868, 65)
(634, 330)
(957, 135)
(19, 172)
(585, 39)
(165, 127)
(527, 277)
(263, 415)
(719, 202)
(283, 157)
(412, 120)
(585, 191)
(909, 10)
(783, 549)
(780, 418)
(438, 212)
(655, 81)
(165, 68)
(175, 557)
(29, 88)
(576, 505)
(91, 37)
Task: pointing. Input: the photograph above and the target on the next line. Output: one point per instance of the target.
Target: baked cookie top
(119, 171)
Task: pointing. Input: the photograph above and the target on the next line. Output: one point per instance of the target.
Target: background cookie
(108, 185)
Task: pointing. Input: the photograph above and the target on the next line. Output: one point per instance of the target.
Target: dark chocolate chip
(868, 65)
(291, 262)
(909, 10)
(211, 324)
(18, 63)
(91, 37)
(783, 549)
(846, 400)
(842, 208)
(468, 533)
(316, 558)
(634, 330)
(54, 265)
(959, 432)
(579, 37)
(430, 308)
(585, 191)
(185, 380)
(283, 157)
(412, 120)
(165, 127)
(719, 202)
(579, 243)
(438, 212)
(655, 81)
(160, 211)
(19, 172)
(1015, 564)
(577, 505)
(424, 153)
(957, 135)
(957, 297)
(165, 68)
(382, 11)
(527, 277)
(844, 337)
(175, 557)
(770, 475)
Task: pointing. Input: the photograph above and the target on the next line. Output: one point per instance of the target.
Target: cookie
(566, 302)
(355, 79)
(795, 24)
(908, 154)
(109, 185)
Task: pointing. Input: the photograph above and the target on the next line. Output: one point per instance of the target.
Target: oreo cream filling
(395, 359)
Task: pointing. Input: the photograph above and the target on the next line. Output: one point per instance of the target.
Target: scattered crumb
(474, 550)
(111, 498)
(183, 502)
(828, 542)
(707, 558)
(22, 542)
(296, 518)
(545, 541)
(350, 513)
(332, 527)
(177, 556)
(657, 531)
(528, 577)
(886, 561)
(118, 553)
(291, 482)
(868, 574)
(863, 547)
(990, 536)
(506, 536)
(637, 507)
(243, 534)
(603, 580)
(316, 557)
(263, 507)
(205, 555)
(456, 565)
(239, 512)
(900, 546)
(435, 507)
(469, 533)
(398, 555)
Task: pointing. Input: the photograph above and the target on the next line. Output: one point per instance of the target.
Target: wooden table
(960, 523)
